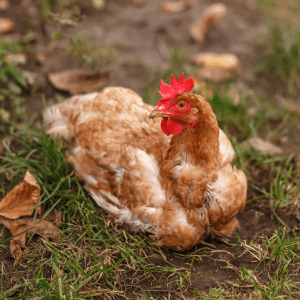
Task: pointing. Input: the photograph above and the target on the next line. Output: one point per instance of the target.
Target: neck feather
(200, 144)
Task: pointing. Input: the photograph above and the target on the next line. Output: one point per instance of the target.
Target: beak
(157, 112)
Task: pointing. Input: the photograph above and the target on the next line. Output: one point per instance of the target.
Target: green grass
(280, 257)
(282, 56)
(12, 82)
(283, 183)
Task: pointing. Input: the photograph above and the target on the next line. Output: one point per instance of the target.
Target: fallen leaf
(175, 6)
(217, 67)
(264, 147)
(21, 198)
(15, 58)
(213, 60)
(78, 81)
(54, 217)
(210, 16)
(6, 25)
(3, 5)
(41, 227)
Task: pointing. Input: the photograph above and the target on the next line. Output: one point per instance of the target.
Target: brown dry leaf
(210, 16)
(21, 198)
(175, 6)
(3, 5)
(16, 58)
(217, 67)
(78, 81)
(264, 147)
(54, 217)
(43, 228)
(6, 25)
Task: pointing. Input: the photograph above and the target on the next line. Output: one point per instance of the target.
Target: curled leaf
(3, 5)
(175, 6)
(6, 25)
(15, 58)
(264, 147)
(217, 67)
(21, 198)
(41, 227)
(78, 81)
(210, 16)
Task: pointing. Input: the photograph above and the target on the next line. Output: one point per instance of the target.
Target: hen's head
(177, 106)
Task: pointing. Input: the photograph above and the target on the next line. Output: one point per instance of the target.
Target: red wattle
(174, 127)
(164, 127)
(171, 127)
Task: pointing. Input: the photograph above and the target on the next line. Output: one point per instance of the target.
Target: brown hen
(178, 189)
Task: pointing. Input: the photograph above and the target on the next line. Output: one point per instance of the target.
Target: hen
(178, 188)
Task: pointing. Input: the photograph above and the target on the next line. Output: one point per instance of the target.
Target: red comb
(175, 88)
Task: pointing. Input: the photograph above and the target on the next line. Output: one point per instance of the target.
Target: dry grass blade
(18, 201)
(210, 16)
(78, 81)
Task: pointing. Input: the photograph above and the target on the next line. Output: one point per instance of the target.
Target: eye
(181, 105)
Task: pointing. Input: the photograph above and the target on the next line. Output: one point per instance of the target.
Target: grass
(280, 256)
(282, 56)
(12, 82)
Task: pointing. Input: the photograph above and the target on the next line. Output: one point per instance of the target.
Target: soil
(143, 35)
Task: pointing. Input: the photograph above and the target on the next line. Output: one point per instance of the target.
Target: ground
(135, 46)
